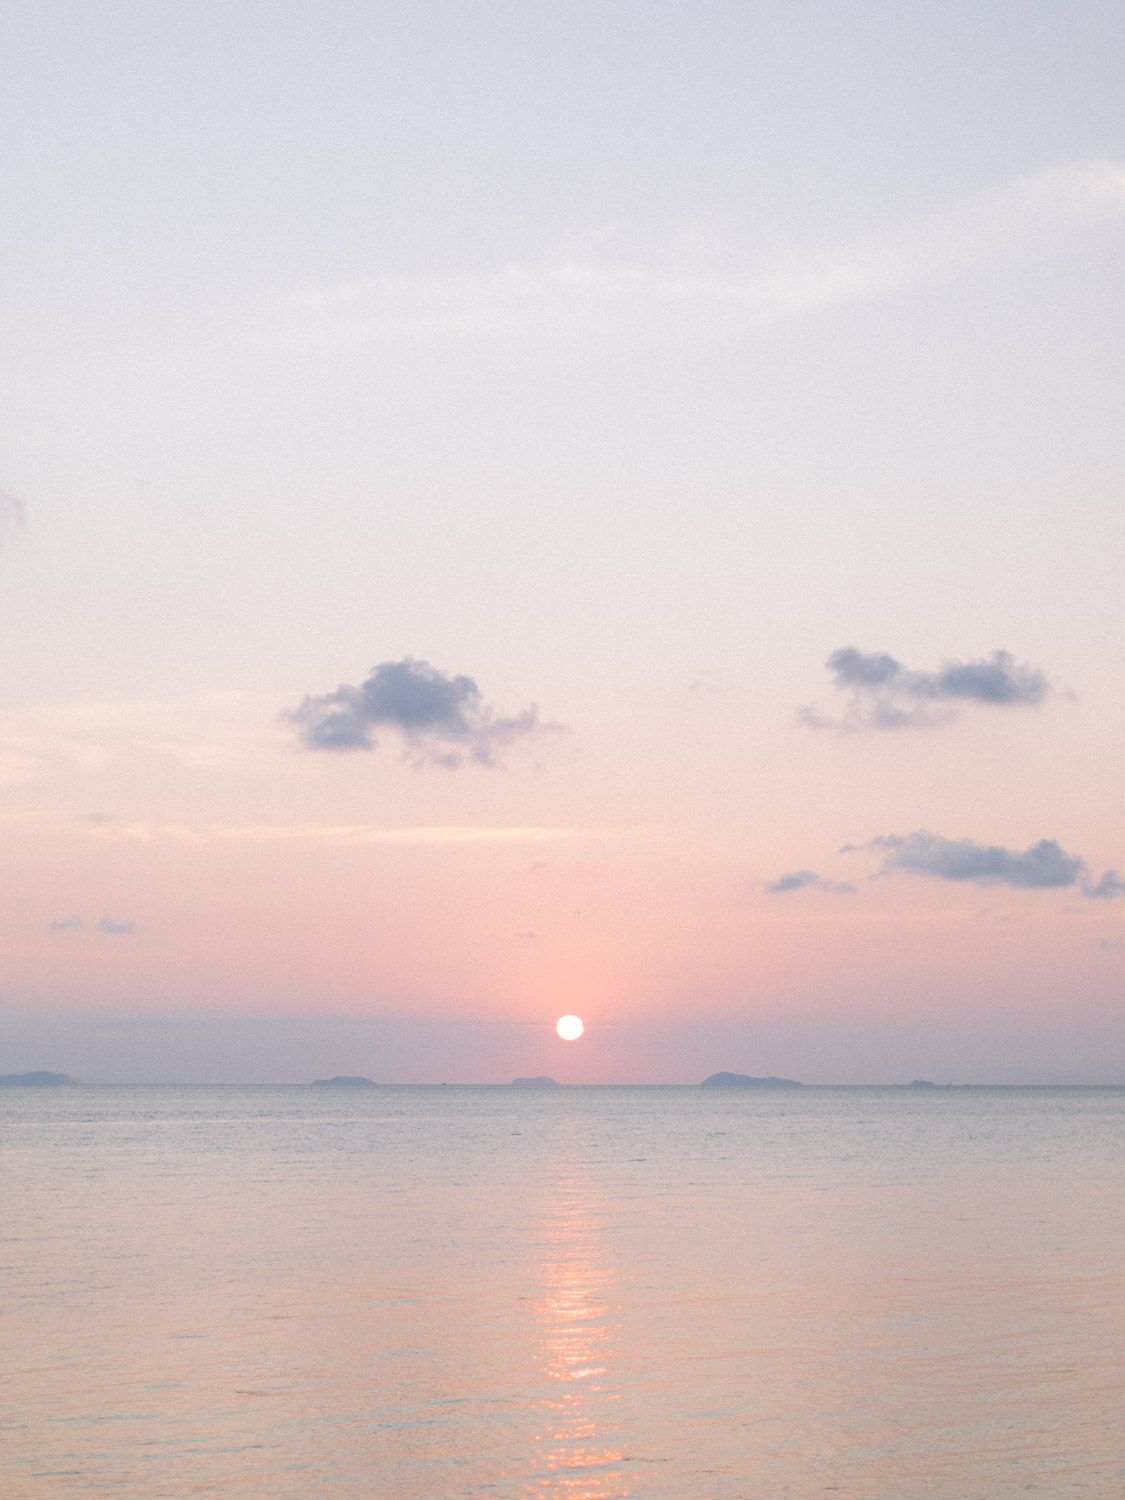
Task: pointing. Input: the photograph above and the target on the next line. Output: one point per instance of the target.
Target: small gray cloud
(441, 720)
(65, 924)
(1042, 866)
(882, 693)
(995, 679)
(796, 880)
(799, 880)
(115, 929)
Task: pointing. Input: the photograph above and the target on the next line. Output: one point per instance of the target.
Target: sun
(570, 1028)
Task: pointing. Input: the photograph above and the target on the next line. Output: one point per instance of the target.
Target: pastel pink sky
(630, 370)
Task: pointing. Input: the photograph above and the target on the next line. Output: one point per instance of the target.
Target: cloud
(795, 881)
(882, 693)
(674, 285)
(1108, 888)
(107, 925)
(441, 720)
(1042, 866)
(82, 736)
(12, 515)
(334, 835)
(799, 880)
(995, 679)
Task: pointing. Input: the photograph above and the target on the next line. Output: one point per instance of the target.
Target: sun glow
(570, 1028)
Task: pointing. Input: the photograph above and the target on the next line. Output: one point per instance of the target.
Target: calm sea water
(587, 1293)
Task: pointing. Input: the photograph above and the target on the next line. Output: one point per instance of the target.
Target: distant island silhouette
(540, 1082)
(36, 1080)
(745, 1081)
(345, 1080)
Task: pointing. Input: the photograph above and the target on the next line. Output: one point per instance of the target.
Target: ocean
(570, 1294)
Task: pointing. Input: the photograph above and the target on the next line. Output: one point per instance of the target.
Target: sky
(512, 509)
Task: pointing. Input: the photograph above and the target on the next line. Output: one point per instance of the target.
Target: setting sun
(570, 1028)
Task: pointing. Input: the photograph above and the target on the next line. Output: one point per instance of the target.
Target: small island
(541, 1082)
(745, 1081)
(36, 1080)
(344, 1080)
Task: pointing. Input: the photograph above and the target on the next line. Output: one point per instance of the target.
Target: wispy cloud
(1042, 866)
(526, 937)
(329, 835)
(107, 925)
(800, 880)
(881, 693)
(12, 516)
(1031, 216)
(53, 738)
(439, 720)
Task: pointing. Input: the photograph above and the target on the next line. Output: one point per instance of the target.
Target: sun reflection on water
(576, 1456)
